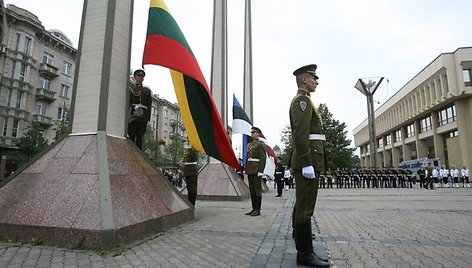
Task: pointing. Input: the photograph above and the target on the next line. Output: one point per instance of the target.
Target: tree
(339, 154)
(152, 148)
(175, 150)
(286, 138)
(337, 151)
(30, 144)
(62, 127)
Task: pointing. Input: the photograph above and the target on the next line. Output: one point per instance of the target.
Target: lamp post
(368, 86)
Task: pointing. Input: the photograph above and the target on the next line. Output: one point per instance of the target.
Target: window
(22, 72)
(27, 48)
(19, 97)
(454, 133)
(14, 131)
(381, 143)
(64, 92)
(425, 124)
(60, 113)
(67, 68)
(467, 74)
(10, 94)
(48, 58)
(5, 125)
(17, 46)
(41, 108)
(447, 115)
(388, 140)
(410, 130)
(398, 135)
(44, 82)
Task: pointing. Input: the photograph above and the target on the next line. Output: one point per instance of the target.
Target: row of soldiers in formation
(392, 178)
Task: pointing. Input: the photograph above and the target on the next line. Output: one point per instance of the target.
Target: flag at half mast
(166, 46)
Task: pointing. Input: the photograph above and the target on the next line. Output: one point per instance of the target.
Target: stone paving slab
(360, 227)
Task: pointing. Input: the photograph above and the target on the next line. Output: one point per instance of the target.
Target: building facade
(37, 68)
(166, 121)
(37, 74)
(429, 117)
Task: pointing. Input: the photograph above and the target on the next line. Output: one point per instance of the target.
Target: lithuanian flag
(166, 46)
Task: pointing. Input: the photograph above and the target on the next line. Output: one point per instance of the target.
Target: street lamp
(368, 86)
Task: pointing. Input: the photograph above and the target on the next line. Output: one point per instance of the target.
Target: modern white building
(429, 117)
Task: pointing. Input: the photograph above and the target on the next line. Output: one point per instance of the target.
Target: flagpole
(219, 64)
(247, 96)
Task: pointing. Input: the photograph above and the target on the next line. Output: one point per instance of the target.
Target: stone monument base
(89, 191)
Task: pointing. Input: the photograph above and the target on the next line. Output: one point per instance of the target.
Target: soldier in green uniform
(256, 160)
(140, 101)
(191, 173)
(307, 162)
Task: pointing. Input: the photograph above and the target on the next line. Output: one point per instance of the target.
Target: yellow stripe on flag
(159, 4)
(190, 128)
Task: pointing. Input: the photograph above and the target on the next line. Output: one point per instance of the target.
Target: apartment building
(166, 121)
(429, 117)
(37, 74)
(37, 68)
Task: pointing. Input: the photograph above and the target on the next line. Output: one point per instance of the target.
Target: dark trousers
(191, 188)
(136, 130)
(280, 186)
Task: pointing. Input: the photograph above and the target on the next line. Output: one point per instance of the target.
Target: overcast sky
(347, 39)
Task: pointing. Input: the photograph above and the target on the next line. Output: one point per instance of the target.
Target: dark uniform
(191, 173)
(308, 151)
(256, 160)
(278, 177)
(138, 121)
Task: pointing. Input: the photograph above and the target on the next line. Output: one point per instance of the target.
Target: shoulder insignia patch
(303, 105)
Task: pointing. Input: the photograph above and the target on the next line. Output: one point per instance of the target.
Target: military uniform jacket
(305, 120)
(256, 157)
(279, 172)
(144, 97)
(190, 163)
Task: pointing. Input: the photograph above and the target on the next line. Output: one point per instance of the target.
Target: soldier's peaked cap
(307, 69)
(139, 72)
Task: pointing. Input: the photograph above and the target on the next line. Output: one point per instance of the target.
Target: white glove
(259, 174)
(308, 172)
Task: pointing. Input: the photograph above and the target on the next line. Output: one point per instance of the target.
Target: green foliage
(30, 144)
(62, 127)
(153, 149)
(338, 151)
(339, 154)
(175, 150)
(36, 241)
(115, 251)
(163, 154)
(286, 138)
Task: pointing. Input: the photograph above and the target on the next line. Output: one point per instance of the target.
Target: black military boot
(252, 204)
(257, 206)
(305, 255)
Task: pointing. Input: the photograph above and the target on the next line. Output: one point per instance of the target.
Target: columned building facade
(429, 117)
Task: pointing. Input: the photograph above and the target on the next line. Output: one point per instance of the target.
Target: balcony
(42, 120)
(48, 70)
(45, 94)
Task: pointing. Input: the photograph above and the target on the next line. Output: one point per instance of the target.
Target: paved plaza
(360, 227)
